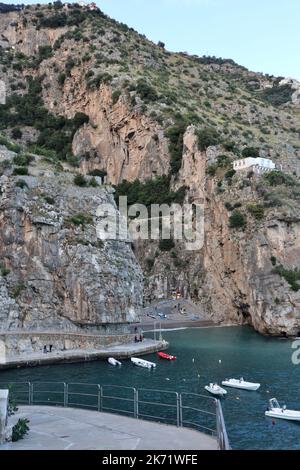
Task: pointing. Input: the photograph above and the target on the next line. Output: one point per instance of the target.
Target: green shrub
(166, 244)
(229, 145)
(9, 145)
(104, 78)
(93, 183)
(16, 133)
(21, 184)
(59, 20)
(80, 219)
(20, 429)
(22, 159)
(154, 191)
(4, 270)
(207, 137)
(80, 180)
(175, 135)
(291, 276)
(230, 173)
(115, 96)
(79, 119)
(61, 78)
(211, 170)
(149, 263)
(55, 132)
(45, 52)
(223, 161)
(256, 210)
(277, 95)
(237, 220)
(250, 152)
(49, 199)
(100, 173)
(228, 206)
(276, 178)
(272, 200)
(17, 290)
(146, 92)
(20, 170)
(273, 260)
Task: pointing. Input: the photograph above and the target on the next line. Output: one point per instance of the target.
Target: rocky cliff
(56, 273)
(95, 97)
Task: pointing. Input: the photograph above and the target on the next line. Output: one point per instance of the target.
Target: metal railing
(184, 409)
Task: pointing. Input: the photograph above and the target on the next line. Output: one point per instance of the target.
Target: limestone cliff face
(122, 141)
(26, 38)
(59, 275)
(239, 283)
(240, 276)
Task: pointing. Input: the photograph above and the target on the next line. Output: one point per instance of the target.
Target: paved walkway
(74, 429)
(173, 314)
(80, 355)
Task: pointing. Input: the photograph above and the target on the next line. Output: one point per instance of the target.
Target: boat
(277, 411)
(169, 357)
(142, 363)
(114, 361)
(215, 389)
(241, 383)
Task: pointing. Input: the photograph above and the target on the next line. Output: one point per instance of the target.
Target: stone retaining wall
(22, 343)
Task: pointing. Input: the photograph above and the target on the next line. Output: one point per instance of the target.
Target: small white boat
(277, 411)
(241, 383)
(114, 361)
(142, 363)
(215, 389)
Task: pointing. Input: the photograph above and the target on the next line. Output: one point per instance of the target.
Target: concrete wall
(3, 414)
(22, 343)
(2, 352)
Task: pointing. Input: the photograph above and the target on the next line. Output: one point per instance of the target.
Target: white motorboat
(142, 363)
(241, 383)
(114, 361)
(215, 389)
(277, 411)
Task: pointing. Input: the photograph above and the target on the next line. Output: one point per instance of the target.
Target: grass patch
(292, 276)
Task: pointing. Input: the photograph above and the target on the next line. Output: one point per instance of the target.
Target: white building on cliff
(257, 165)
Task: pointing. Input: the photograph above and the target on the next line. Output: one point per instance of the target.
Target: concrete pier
(121, 351)
(55, 428)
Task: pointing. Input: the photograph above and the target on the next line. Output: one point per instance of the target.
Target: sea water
(208, 355)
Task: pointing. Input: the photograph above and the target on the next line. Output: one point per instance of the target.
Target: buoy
(167, 378)
(184, 380)
(193, 360)
(220, 361)
(198, 375)
(268, 391)
(237, 398)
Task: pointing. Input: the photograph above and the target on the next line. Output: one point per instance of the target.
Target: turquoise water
(242, 352)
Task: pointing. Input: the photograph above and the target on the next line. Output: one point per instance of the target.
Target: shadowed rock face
(239, 282)
(233, 272)
(61, 275)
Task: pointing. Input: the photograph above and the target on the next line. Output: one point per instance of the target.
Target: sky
(262, 35)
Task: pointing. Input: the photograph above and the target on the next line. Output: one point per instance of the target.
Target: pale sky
(262, 35)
